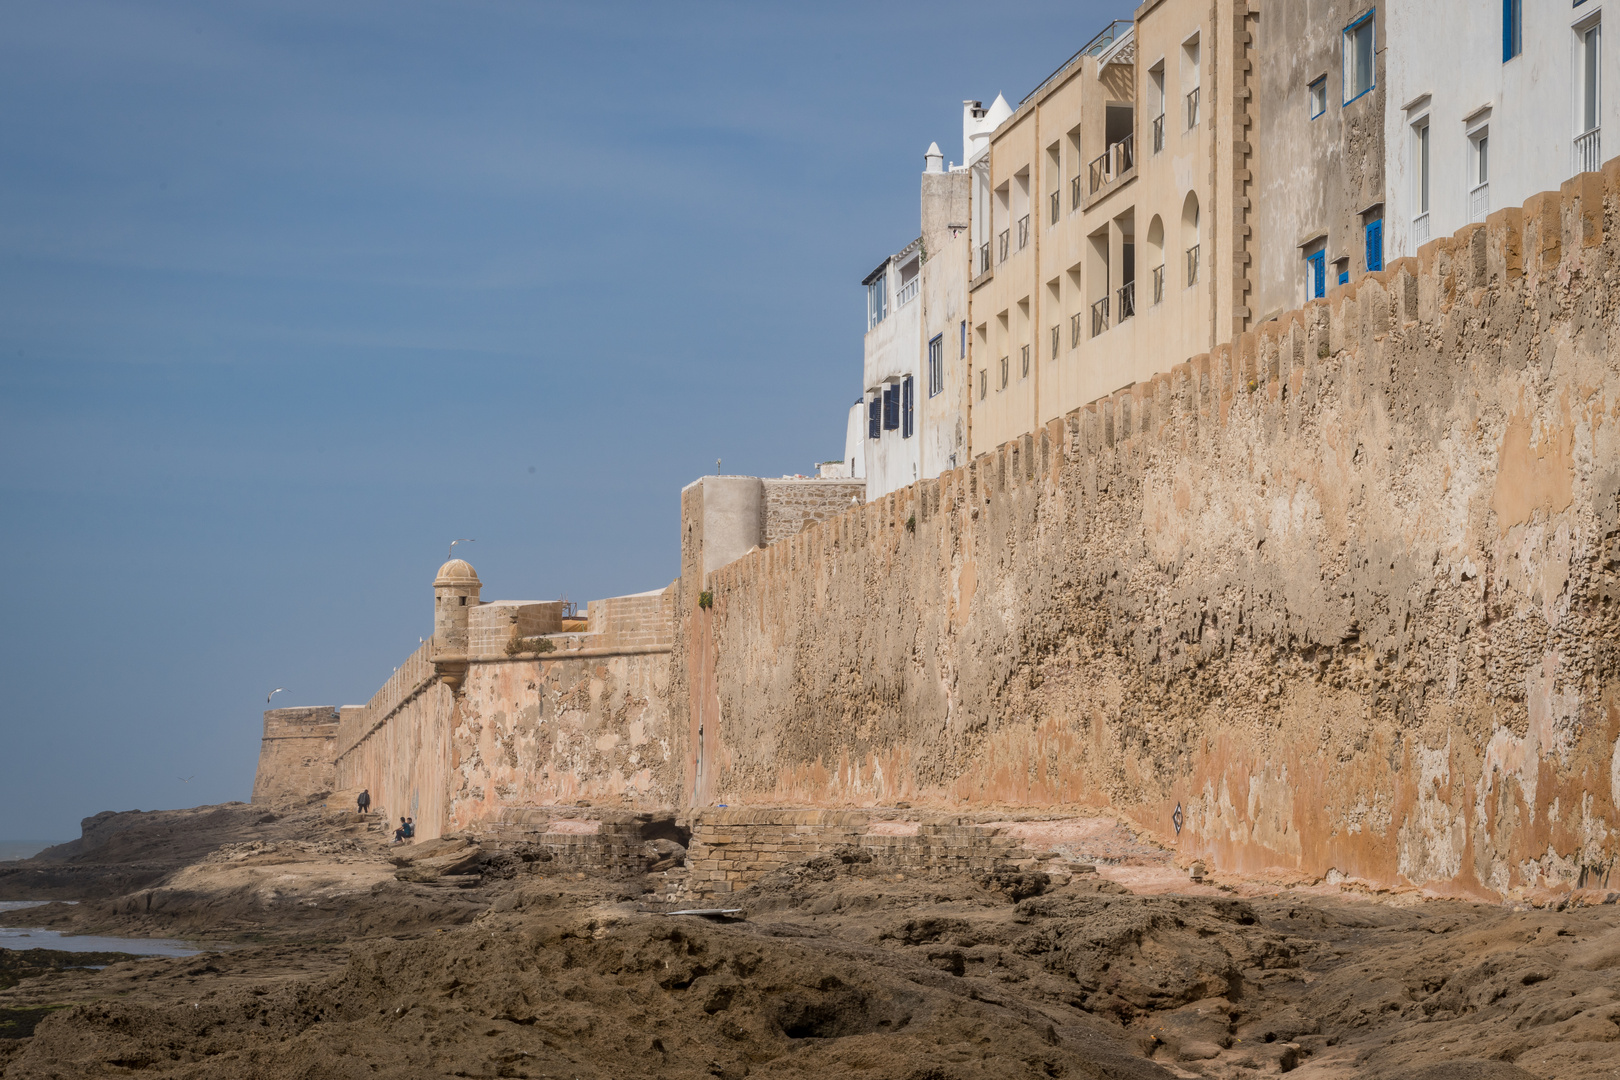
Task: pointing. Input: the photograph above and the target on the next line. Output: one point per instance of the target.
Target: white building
(1488, 104)
(914, 414)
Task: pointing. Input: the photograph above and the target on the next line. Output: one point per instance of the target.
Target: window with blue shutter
(891, 406)
(905, 407)
(874, 418)
(1375, 245)
(1344, 277)
(1315, 275)
(1512, 29)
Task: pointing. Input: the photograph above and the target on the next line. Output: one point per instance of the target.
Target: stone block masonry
(792, 504)
(1347, 593)
(297, 754)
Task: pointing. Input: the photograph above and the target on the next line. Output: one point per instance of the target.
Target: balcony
(1192, 265)
(1127, 300)
(908, 292)
(1479, 203)
(1057, 339)
(1056, 205)
(1158, 284)
(1099, 316)
(1192, 108)
(984, 257)
(1118, 160)
(1158, 133)
(1420, 229)
(1074, 193)
(1588, 154)
(1023, 232)
(1001, 244)
(1023, 357)
(1076, 321)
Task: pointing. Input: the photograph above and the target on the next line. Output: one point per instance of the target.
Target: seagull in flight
(463, 540)
(185, 779)
(273, 693)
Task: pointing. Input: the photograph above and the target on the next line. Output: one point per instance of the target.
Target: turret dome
(456, 572)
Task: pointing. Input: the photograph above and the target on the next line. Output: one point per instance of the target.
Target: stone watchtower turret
(455, 594)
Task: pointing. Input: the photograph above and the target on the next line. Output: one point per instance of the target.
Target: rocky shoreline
(332, 954)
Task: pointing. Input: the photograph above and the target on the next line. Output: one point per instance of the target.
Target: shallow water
(28, 937)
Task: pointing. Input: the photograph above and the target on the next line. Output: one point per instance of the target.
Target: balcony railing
(1023, 357)
(1479, 203)
(1023, 232)
(1127, 300)
(1588, 153)
(1192, 265)
(1158, 133)
(1099, 316)
(1192, 108)
(1420, 229)
(908, 292)
(1113, 163)
(1001, 243)
(1057, 340)
(1158, 284)
(1056, 202)
(1074, 193)
(984, 257)
(1076, 321)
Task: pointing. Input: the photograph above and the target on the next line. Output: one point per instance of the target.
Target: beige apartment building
(1112, 233)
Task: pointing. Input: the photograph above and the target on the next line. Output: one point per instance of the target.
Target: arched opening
(1155, 256)
(1190, 238)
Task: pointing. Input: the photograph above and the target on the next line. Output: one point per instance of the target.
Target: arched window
(1190, 237)
(1155, 254)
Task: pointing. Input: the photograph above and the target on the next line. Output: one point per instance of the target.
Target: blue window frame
(906, 395)
(1344, 277)
(1375, 245)
(1359, 55)
(1315, 275)
(1512, 29)
(936, 364)
(1318, 97)
(874, 417)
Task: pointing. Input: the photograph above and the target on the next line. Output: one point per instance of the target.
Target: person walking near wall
(364, 801)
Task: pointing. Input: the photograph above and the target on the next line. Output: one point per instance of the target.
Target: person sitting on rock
(400, 834)
(410, 828)
(364, 801)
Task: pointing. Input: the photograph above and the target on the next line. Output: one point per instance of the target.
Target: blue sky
(292, 294)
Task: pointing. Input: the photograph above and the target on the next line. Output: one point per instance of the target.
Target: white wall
(1451, 50)
(893, 351)
(855, 441)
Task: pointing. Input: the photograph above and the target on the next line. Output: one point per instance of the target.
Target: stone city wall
(295, 755)
(586, 719)
(792, 504)
(1347, 593)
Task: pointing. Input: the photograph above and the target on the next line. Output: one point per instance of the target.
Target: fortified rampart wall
(584, 720)
(295, 755)
(1345, 593)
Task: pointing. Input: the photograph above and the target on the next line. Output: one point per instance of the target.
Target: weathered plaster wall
(1345, 592)
(541, 732)
(295, 755)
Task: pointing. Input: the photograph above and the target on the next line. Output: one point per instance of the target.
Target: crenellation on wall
(1322, 545)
